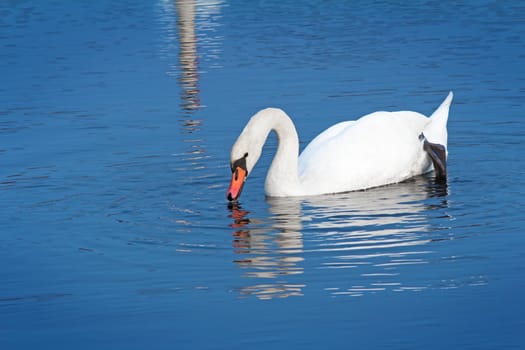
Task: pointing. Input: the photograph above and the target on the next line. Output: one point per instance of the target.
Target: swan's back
(379, 148)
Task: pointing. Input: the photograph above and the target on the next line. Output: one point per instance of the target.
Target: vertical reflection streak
(189, 40)
(188, 58)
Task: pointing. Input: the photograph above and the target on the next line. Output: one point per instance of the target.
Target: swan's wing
(320, 141)
(380, 148)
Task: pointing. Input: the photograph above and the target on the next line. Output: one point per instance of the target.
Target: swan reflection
(376, 234)
(268, 253)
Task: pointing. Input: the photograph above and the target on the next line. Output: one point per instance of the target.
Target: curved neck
(282, 178)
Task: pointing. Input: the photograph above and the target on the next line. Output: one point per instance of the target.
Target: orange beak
(238, 179)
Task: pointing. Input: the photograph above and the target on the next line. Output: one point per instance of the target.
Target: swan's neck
(282, 178)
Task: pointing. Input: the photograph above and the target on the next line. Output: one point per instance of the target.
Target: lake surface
(116, 121)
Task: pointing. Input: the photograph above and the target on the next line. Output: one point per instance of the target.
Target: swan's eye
(245, 154)
(239, 163)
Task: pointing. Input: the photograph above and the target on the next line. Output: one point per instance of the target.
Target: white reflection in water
(379, 232)
(188, 29)
(189, 74)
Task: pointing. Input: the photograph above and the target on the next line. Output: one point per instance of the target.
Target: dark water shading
(116, 120)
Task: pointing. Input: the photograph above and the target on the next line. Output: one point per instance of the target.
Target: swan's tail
(436, 130)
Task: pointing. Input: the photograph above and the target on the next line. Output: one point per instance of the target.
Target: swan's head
(244, 154)
(239, 175)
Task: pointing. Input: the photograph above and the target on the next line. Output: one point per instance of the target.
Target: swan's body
(377, 149)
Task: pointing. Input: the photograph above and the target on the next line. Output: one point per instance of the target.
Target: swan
(377, 149)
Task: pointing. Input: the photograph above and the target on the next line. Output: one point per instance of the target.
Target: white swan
(377, 149)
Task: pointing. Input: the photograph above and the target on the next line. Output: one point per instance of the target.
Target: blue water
(116, 121)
